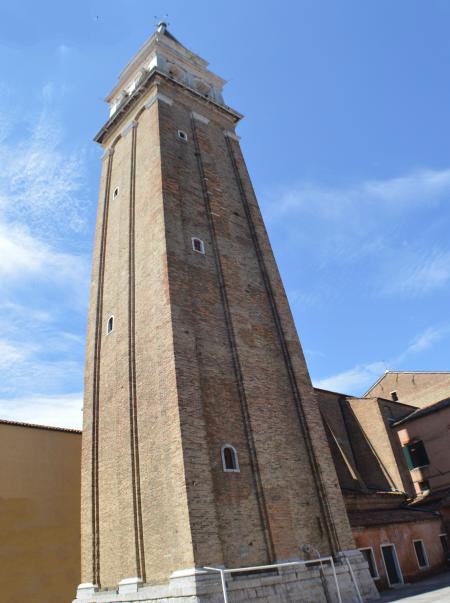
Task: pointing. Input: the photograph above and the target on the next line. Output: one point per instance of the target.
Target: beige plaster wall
(39, 514)
(434, 431)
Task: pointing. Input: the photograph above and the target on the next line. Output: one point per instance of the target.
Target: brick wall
(204, 352)
(418, 389)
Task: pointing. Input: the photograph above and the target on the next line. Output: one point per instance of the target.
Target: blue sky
(347, 140)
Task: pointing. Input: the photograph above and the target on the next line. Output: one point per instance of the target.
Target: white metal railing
(257, 568)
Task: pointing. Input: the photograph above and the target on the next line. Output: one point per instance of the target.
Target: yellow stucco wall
(39, 514)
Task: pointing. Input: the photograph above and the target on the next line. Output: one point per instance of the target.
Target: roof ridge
(403, 373)
(420, 372)
(36, 426)
(424, 410)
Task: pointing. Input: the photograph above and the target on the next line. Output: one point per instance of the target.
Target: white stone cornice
(130, 126)
(199, 117)
(109, 151)
(158, 97)
(191, 571)
(230, 134)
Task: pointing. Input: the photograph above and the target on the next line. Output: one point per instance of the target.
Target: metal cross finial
(161, 23)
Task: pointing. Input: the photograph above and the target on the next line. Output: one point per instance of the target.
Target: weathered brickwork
(366, 450)
(156, 385)
(203, 353)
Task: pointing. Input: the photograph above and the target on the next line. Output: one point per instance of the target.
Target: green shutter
(408, 457)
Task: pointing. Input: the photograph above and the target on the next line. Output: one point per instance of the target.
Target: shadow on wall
(360, 458)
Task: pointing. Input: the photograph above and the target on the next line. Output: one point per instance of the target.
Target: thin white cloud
(63, 410)
(418, 188)
(352, 380)
(37, 373)
(42, 280)
(424, 341)
(359, 378)
(39, 179)
(419, 274)
(42, 210)
(18, 312)
(13, 353)
(387, 231)
(22, 256)
(64, 50)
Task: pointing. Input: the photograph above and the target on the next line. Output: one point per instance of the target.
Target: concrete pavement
(432, 590)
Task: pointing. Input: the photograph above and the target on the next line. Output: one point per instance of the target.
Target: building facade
(424, 435)
(416, 388)
(402, 536)
(400, 545)
(203, 443)
(367, 453)
(39, 512)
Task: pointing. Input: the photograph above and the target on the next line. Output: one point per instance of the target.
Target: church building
(203, 445)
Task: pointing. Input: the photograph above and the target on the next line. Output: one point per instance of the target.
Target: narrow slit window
(116, 192)
(198, 245)
(182, 135)
(230, 459)
(421, 554)
(110, 325)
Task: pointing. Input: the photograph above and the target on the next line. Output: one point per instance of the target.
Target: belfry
(203, 446)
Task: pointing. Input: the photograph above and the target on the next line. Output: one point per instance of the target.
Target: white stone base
(130, 585)
(288, 585)
(85, 591)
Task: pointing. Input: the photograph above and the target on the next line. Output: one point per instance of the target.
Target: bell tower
(202, 439)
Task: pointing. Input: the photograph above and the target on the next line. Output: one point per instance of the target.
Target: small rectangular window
(198, 245)
(416, 455)
(421, 554)
(424, 485)
(369, 557)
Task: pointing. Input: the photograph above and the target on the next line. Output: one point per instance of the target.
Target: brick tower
(202, 442)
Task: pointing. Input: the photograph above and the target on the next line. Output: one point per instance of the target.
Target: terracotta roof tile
(34, 426)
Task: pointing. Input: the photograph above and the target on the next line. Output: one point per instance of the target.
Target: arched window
(110, 325)
(230, 461)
